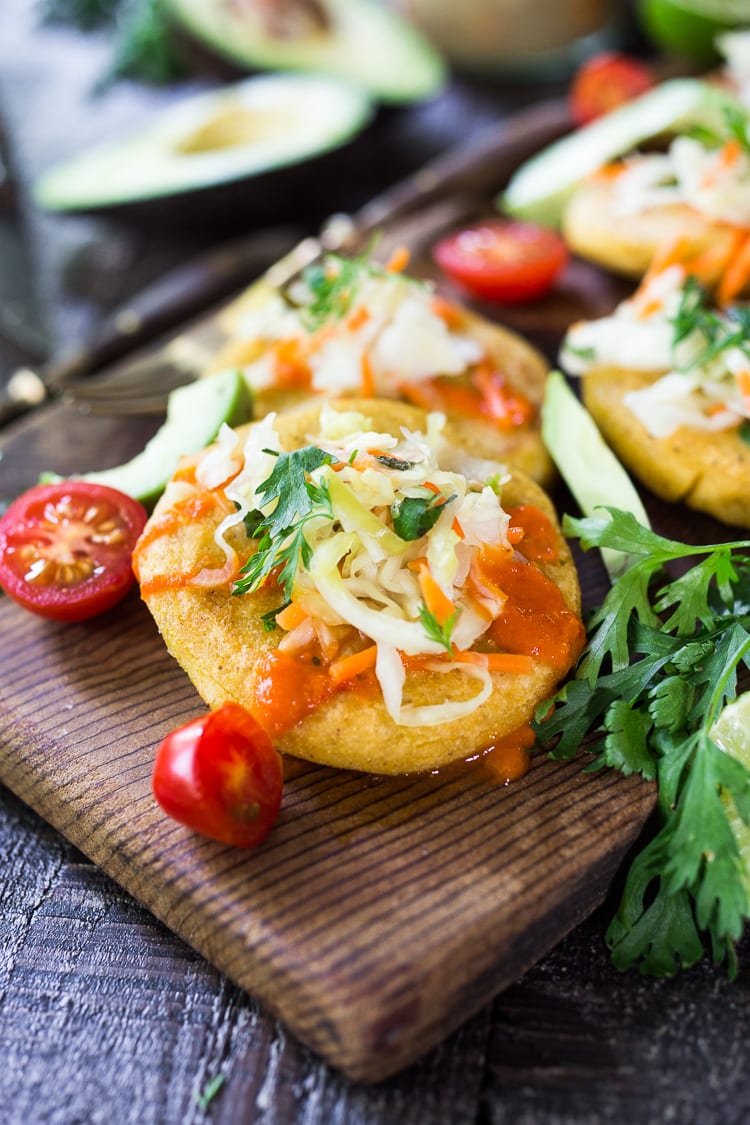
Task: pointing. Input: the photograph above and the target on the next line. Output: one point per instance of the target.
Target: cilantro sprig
(661, 662)
(441, 633)
(334, 284)
(415, 516)
(695, 318)
(293, 500)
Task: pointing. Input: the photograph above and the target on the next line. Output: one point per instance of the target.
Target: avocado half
(362, 41)
(242, 134)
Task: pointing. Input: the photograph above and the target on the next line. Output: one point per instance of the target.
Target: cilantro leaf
(414, 516)
(434, 631)
(662, 660)
(293, 500)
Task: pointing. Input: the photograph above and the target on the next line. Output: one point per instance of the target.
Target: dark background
(104, 1015)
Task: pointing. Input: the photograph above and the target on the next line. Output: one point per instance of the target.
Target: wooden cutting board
(380, 913)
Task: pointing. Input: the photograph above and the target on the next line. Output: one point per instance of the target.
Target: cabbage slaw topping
(378, 540)
(713, 180)
(666, 327)
(353, 327)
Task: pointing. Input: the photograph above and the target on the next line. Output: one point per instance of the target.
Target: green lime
(731, 732)
(689, 27)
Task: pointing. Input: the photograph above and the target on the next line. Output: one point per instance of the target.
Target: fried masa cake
(407, 602)
(349, 327)
(667, 379)
(691, 203)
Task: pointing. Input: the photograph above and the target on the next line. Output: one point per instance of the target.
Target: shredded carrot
(290, 617)
(511, 662)
(432, 487)
(737, 273)
(671, 252)
(358, 318)
(347, 667)
(290, 366)
(440, 606)
(398, 260)
(457, 529)
(728, 154)
(449, 313)
(743, 383)
(367, 383)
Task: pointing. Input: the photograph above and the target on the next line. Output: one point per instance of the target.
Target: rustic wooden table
(106, 1016)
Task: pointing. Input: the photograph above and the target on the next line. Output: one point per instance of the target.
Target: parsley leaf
(662, 660)
(293, 500)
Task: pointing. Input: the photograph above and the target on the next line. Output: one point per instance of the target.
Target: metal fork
(142, 383)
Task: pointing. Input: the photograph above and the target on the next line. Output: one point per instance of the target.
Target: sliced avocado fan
(240, 131)
(362, 41)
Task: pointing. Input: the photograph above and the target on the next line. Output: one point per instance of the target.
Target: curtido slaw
(712, 178)
(348, 325)
(668, 327)
(375, 539)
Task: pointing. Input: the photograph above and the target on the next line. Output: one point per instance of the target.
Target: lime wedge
(731, 732)
(689, 27)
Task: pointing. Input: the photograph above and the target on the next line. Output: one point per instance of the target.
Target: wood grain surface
(381, 913)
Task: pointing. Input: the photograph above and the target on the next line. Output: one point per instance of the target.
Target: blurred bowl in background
(543, 39)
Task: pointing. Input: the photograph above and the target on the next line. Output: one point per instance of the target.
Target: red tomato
(220, 776)
(66, 549)
(503, 261)
(604, 82)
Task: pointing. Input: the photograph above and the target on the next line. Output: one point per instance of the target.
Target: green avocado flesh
(195, 414)
(541, 188)
(586, 463)
(361, 41)
(243, 130)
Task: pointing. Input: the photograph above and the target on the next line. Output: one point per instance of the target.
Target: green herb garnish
(394, 462)
(434, 631)
(296, 499)
(661, 662)
(414, 516)
(588, 354)
(695, 316)
(334, 284)
(209, 1091)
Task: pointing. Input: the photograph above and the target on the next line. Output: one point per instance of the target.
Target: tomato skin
(503, 260)
(604, 82)
(220, 776)
(66, 548)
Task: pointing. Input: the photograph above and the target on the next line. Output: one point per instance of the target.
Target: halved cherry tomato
(66, 548)
(605, 82)
(220, 776)
(503, 261)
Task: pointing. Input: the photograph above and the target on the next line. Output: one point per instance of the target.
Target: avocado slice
(541, 188)
(363, 41)
(195, 414)
(241, 132)
(586, 463)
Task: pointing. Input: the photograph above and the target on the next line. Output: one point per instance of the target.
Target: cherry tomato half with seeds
(220, 776)
(66, 549)
(604, 82)
(503, 261)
